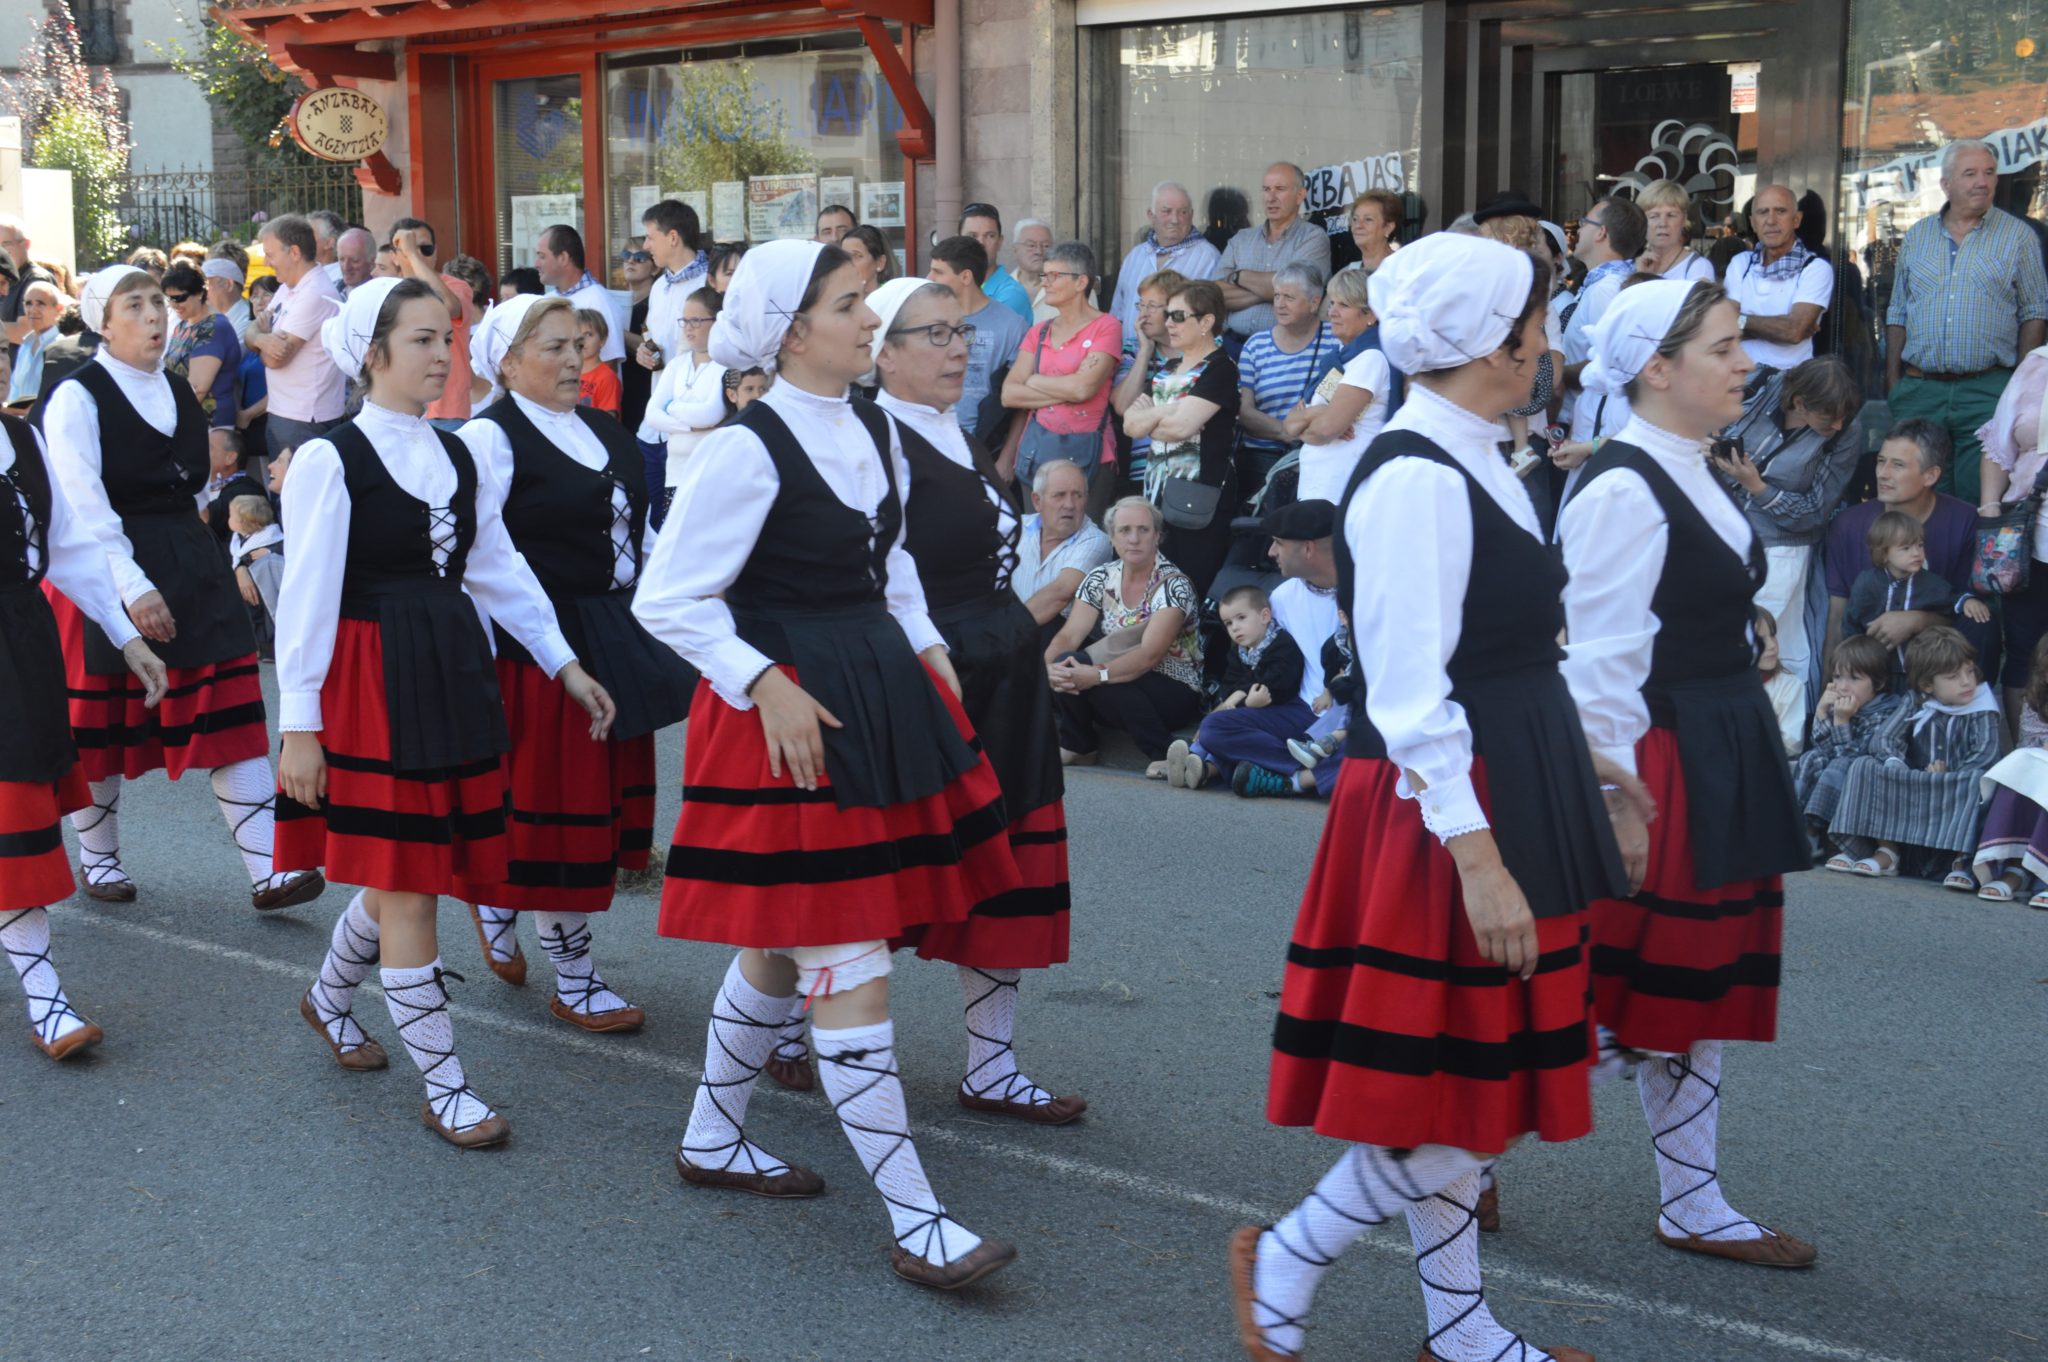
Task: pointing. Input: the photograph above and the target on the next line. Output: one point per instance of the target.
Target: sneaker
(1309, 754)
(1176, 764)
(1252, 782)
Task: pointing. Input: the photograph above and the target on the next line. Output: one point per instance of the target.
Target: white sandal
(1999, 890)
(1870, 865)
(1960, 880)
(2039, 900)
(1842, 863)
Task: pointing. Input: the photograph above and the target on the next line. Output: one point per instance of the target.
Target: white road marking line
(1137, 1184)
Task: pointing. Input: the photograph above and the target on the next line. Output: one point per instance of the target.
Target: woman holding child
(1465, 840)
(1665, 570)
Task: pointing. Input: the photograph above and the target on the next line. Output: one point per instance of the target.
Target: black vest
(954, 531)
(28, 482)
(815, 552)
(390, 531)
(145, 471)
(1514, 602)
(559, 513)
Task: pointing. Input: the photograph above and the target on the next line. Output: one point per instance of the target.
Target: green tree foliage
(72, 121)
(721, 128)
(252, 95)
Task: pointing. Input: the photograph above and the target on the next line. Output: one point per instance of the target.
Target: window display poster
(700, 204)
(836, 189)
(1333, 188)
(729, 210)
(639, 198)
(782, 207)
(533, 214)
(881, 203)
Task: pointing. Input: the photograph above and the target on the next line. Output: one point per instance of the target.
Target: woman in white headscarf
(1434, 1009)
(130, 447)
(1661, 609)
(962, 528)
(832, 799)
(570, 485)
(392, 772)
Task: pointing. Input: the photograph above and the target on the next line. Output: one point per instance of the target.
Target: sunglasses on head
(635, 257)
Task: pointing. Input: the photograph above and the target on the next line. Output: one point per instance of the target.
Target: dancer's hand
(585, 691)
(940, 661)
(1494, 903)
(302, 769)
(789, 720)
(153, 617)
(148, 669)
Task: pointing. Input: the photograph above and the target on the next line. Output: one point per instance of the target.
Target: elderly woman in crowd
(1348, 405)
(1787, 461)
(1375, 218)
(1129, 656)
(223, 278)
(1063, 369)
(1670, 254)
(1190, 415)
(1058, 547)
(203, 350)
(2015, 466)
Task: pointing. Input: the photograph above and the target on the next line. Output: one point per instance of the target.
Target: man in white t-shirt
(558, 255)
(308, 394)
(1782, 288)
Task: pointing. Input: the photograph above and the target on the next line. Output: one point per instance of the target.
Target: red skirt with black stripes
(34, 869)
(1393, 1029)
(582, 809)
(1021, 928)
(756, 861)
(210, 716)
(414, 832)
(1677, 964)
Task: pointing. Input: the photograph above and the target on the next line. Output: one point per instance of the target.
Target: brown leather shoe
(113, 891)
(293, 892)
(78, 1042)
(794, 1074)
(491, 1131)
(512, 971)
(793, 1185)
(365, 1057)
(1487, 1212)
(1244, 1254)
(1561, 1354)
(1772, 1250)
(618, 1019)
(990, 1255)
(1057, 1112)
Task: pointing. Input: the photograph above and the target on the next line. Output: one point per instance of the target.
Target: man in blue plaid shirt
(1971, 298)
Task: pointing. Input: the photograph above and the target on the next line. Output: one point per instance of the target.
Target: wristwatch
(1741, 323)
(1232, 278)
(1102, 675)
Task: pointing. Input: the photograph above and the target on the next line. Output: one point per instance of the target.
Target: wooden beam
(328, 60)
(918, 12)
(917, 136)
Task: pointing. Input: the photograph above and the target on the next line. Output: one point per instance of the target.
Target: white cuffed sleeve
(79, 566)
(71, 419)
(905, 589)
(505, 586)
(1615, 539)
(317, 507)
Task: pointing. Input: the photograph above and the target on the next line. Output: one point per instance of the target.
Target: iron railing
(162, 208)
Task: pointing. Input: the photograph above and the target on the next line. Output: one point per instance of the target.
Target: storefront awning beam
(917, 136)
(325, 59)
(324, 22)
(915, 12)
(695, 27)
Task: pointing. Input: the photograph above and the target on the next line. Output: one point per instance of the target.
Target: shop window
(1211, 103)
(539, 137)
(757, 140)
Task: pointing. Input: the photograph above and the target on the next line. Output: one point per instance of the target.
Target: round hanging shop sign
(338, 124)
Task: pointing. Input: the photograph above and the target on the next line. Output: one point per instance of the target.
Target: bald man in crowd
(356, 253)
(1781, 287)
(1256, 254)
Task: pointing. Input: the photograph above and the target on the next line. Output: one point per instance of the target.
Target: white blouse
(1615, 538)
(721, 504)
(688, 400)
(71, 419)
(941, 430)
(492, 450)
(1409, 517)
(77, 564)
(316, 506)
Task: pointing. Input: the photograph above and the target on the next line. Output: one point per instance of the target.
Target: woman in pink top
(2015, 453)
(1062, 373)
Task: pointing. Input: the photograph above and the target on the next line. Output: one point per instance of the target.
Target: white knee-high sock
(418, 1000)
(991, 996)
(1445, 1229)
(25, 935)
(1368, 1186)
(857, 1065)
(351, 955)
(99, 833)
(789, 1037)
(566, 939)
(1682, 1100)
(247, 792)
(501, 931)
(741, 1034)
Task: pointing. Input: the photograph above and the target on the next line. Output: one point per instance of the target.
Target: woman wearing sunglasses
(1191, 417)
(203, 350)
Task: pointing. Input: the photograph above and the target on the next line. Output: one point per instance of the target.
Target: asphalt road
(210, 1186)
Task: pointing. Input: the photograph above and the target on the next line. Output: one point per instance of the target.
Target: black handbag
(1187, 504)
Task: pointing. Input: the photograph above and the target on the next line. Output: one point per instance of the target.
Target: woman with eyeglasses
(689, 396)
(1063, 371)
(1190, 416)
(832, 795)
(203, 350)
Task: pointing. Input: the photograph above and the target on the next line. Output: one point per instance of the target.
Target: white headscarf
(492, 338)
(765, 293)
(216, 268)
(1449, 299)
(885, 302)
(99, 290)
(1628, 333)
(346, 335)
